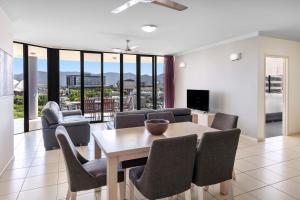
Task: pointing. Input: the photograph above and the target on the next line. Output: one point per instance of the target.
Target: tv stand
(202, 118)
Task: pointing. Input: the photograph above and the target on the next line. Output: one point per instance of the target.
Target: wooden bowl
(156, 126)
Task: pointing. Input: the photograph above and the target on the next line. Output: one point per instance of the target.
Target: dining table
(131, 143)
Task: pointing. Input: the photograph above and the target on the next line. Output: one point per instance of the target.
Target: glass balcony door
(37, 85)
(18, 70)
(129, 82)
(111, 84)
(92, 86)
(146, 82)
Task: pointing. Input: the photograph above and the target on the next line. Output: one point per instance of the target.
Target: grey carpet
(273, 129)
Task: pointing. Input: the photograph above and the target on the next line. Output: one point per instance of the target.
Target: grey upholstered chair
(128, 121)
(224, 121)
(169, 169)
(73, 120)
(83, 174)
(162, 115)
(215, 158)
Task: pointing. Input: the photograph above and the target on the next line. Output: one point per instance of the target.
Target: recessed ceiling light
(149, 28)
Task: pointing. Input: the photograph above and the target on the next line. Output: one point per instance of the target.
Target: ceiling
(90, 25)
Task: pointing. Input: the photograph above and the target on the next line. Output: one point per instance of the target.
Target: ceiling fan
(127, 49)
(166, 3)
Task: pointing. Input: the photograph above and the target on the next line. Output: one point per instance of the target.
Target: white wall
(6, 103)
(233, 85)
(291, 50)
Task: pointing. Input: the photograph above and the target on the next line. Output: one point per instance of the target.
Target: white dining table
(131, 143)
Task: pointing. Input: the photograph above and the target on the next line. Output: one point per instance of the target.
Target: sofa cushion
(177, 111)
(51, 112)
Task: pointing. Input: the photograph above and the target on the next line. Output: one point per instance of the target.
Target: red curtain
(169, 82)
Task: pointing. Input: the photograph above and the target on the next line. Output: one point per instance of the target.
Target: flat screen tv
(198, 100)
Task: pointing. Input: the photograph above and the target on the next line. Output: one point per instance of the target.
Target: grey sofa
(77, 126)
(180, 114)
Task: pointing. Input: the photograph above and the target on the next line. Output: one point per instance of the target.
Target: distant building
(129, 85)
(90, 81)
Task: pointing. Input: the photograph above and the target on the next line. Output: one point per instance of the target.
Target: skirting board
(6, 166)
(293, 133)
(249, 138)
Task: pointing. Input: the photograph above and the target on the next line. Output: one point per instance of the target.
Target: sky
(92, 67)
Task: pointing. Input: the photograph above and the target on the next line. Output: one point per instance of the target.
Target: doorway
(275, 96)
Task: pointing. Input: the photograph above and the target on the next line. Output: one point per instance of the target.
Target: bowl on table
(156, 126)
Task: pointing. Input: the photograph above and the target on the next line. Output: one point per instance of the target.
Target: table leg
(97, 151)
(112, 178)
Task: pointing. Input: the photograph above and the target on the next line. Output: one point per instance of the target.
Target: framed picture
(6, 74)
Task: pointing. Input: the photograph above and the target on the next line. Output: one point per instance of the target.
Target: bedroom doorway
(275, 96)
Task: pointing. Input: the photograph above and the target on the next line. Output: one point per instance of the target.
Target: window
(37, 85)
(92, 86)
(18, 88)
(111, 78)
(146, 86)
(129, 83)
(160, 77)
(69, 78)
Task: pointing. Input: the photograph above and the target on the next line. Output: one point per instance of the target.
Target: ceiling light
(149, 28)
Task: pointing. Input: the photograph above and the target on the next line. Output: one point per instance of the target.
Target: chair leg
(122, 189)
(233, 175)
(188, 195)
(225, 187)
(68, 194)
(73, 195)
(131, 191)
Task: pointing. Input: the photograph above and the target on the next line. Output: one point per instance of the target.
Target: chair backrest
(162, 115)
(224, 121)
(130, 120)
(215, 157)
(51, 112)
(108, 105)
(169, 168)
(77, 175)
(89, 105)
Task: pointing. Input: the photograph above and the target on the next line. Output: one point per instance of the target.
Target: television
(198, 100)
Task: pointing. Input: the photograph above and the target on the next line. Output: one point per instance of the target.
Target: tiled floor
(268, 170)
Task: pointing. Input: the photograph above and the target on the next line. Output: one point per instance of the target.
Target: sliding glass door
(146, 82)
(18, 84)
(129, 83)
(98, 83)
(160, 78)
(111, 78)
(37, 85)
(69, 80)
(92, 86)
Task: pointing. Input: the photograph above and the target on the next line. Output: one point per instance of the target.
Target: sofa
(180, 114)
(77, 126)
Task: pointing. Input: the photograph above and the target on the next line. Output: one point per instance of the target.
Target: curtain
(169, 82)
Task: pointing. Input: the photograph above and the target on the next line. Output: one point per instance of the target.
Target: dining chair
(109, 106)
(215, 159)
(169, 169)
(224, 121)
(129, 121)
(83, 174)
(162, 115)
(89, 107)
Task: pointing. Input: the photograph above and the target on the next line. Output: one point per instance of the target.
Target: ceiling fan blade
(126, 6)
(133, 47)
(170, 4)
